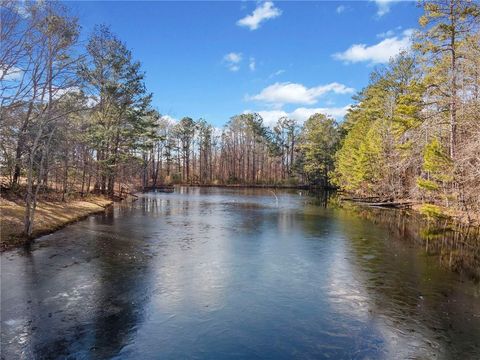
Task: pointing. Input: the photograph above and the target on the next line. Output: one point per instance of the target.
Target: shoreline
(450, 215)
(257, 186)
(50, 217)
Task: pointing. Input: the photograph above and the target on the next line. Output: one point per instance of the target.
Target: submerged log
(377, 203)
(390, 204)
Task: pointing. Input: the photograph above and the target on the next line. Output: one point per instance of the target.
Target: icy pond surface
(209, 273)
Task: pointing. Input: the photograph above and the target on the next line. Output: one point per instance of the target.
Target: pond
(211, 273)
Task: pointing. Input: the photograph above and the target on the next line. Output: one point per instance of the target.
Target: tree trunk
(453, 98)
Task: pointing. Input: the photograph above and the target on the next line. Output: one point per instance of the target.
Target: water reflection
(221, 273)
(418, 307)
(455, 246)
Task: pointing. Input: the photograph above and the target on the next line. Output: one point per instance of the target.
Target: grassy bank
(50, 216)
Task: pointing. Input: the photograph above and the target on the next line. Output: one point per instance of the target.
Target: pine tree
(117, 84)
(320, 140)
(447, 24)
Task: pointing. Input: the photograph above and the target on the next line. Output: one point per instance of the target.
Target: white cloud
(170, 119)
(58, 93)
(92, 101)
(10, 73)
(264, 11)
(232, 61)
(301, 114)
(383, 6)
(378, 53)
(341, 9)
(292, 93)
(217, 131)
(270, 117)
(408, 32)
(252, 64)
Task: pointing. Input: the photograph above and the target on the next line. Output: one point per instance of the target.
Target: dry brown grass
(49, 216)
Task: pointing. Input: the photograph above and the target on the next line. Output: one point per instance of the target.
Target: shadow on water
(83, 305)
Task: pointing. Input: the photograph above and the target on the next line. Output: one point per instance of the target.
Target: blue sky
(218, 59)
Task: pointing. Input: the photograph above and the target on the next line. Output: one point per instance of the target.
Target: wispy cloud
(391, 32)
(377, 53)
(232, 61)
(386, 34)
(276, 73)
(293, 93)
(341, 9)
(264, 11)
(383, 6)
(252, 65)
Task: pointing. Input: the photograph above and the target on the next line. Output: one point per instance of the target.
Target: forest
(78, 119)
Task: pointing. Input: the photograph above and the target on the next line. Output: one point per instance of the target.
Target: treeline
(245, 151)
(414, 132)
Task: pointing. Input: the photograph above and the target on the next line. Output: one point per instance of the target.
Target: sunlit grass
(49, 216)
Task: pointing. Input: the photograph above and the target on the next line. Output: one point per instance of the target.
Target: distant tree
(185, 131)
(285, 134)
(320, 141)
(205, 134)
